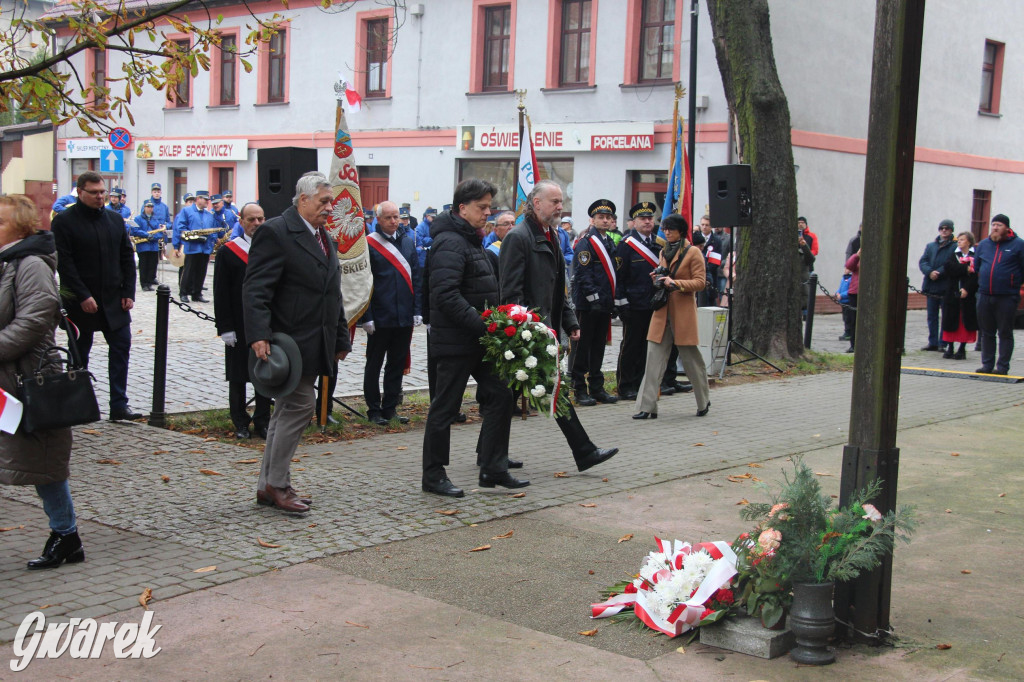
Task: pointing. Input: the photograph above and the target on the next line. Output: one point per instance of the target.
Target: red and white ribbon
(10, 412)
(642, 249)
(393, 256)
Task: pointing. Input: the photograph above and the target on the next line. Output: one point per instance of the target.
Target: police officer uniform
(636, 257)
(149, 250)
(593, 295)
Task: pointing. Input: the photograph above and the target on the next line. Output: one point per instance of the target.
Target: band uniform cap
(215, 198)
(188, 195)
(148, 202)
(601, 206)
(228, 193)
(643, 209)
(446, 207)
(1001, 218)
(406, 204)
(155, 185)
(202, 193)
(403, 212)
(279, 374)
(117, 192)
(430, 211)
(567, 219)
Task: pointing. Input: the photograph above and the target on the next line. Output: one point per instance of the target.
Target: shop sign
(85, 147)
(192, 150)
(566, 137)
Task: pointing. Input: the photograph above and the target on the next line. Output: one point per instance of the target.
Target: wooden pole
(882, 305)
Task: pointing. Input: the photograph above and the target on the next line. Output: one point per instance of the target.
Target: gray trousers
(291, 416)
(657, 356)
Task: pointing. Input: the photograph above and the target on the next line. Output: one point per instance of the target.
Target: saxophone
(151, 233)
(199, 235)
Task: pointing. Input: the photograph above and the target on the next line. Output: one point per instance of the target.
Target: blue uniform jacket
(191, 218)
(634, 272)
(423, 240)
(121, 210)
(161, 213)
(566, 244)
(591, 288)
(143, 226)
(64, 202)
(1000, 266)
(392, 305)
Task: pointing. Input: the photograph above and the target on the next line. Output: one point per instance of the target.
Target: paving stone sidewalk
(140, 531)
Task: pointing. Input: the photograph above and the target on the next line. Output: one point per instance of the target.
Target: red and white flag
(353, 100)
(10, 412)
(714, 258)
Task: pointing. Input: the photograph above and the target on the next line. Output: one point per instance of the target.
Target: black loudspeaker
(730, 196)
(279, 169)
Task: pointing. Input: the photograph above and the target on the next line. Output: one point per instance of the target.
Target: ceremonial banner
(527, 171)
(346, 224)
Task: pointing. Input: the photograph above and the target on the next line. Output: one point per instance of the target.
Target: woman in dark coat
(959, 308)
(29, 313)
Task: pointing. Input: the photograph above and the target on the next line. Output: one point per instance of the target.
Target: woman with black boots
(959, 304)
(29, 313)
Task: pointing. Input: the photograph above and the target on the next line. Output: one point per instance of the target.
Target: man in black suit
(97, 266)
(293, 286)
(228, 275)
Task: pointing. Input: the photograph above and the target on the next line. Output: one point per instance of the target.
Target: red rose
(707, 612)
(519, 319)
(535, 317)
(510, 331)
(724, 596)
(492, 327)
(504, 308)
(488, 313)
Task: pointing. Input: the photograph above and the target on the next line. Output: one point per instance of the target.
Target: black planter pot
(812, 620)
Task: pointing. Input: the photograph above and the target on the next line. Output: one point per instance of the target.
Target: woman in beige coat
(29, 312)
(676, 322)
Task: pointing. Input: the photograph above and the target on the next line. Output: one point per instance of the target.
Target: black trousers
(391, 343)
(193, 274)
(239, 415)
(587, 354)
(495, 399)
(633, 350)
(850, 318)
(147, 267)
(119, 348)
(575, 435)
(995, 318)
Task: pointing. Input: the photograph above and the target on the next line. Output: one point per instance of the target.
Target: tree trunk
(769, 277)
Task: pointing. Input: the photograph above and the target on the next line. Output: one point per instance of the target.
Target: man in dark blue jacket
(999, 261)
(394, 310)
(635, 257)
(933, 267)
(161, 212)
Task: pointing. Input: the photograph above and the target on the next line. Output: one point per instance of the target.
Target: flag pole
(521, 96)
(691, 129)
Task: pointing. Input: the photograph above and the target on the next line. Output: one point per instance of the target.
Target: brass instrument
(199, 235)
(151, 233)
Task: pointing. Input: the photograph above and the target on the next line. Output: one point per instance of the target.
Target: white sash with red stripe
(392, 255)
(643, 250)
(606, 260)
(240, 247)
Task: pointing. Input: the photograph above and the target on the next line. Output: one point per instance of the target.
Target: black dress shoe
(182, 298)
(379, 420)
(667, 390)
(460, 418)
(1001, 372)
(983, 370)
(147, 287)
(200, 299)
(604, 397)
(263, 498)
(515, 463)
(683, 388)
(59, 549)
(504, 479)
(701, 413)
(628, 395)
(443, 487)
(645, 415)
(402, 419)
(930, 348)
(125, 414)
(595, 458)
(242, 433)
(584, 400)
(261, 432)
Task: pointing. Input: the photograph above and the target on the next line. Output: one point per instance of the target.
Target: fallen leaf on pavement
(737, 479)
(205, 569)
(503, 536)
(817, 435)
(207, 440)
(755, 479)
(587, 633)
(560, 474)
(588, 505)
(108, 461)
(966, 571)
(165, 478)
(698, 445)
(481, 548)
(626, 538)
(943, 647)
(10, 528)
(197, 452)
(823, 473)
(1002, 494)
(261, 543)
(296, 459)
(949, 511)
(160, 452)
(604, 480)
(743, 501)
(145, 598)
(91, 432)
(357, 625)
(324, 454)
(590, 572)
(754, 465)
(254, 460)
(448, 512)
(954, 454)
(518, 495)
(681, 650)
(402, 448)
(210, 472)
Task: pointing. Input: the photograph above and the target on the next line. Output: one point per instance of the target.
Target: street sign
(120, 138)
(112, 161)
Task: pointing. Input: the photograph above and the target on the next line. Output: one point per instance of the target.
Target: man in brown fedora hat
(292, 287)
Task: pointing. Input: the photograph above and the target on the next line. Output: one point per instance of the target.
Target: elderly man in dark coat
(293, 286)
(228, 276)
(97, 267)
(533, 275)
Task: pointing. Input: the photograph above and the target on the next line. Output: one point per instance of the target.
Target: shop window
(502, 173)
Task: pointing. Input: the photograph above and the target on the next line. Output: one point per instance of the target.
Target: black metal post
(691, 124)
(812, 289)
(157, 417)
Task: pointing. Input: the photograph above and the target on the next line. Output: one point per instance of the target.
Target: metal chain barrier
(918, 291)
(189, 309)
(835, 299)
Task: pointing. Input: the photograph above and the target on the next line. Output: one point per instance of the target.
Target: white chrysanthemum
(530, 362)
(509, 355)
(521, 375)
(552, 350)
(526, 334)
(538, 391)
(701, 560)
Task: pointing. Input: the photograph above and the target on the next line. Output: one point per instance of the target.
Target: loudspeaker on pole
(730, 196)
(279, 168)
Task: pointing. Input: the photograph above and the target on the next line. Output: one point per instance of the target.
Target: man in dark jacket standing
(462, 284)
(394, 310)
(999, 261)
(635, 257)
(97, 265)
(532, 275)
(293, 286)
(933, 267)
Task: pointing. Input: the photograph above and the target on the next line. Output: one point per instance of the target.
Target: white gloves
(229, 339)
(369, 327)
(417, 320)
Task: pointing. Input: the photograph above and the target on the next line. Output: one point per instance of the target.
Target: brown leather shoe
(285, 499)
(264, 499)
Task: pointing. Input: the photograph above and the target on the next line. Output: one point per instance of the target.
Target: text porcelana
(81, 638)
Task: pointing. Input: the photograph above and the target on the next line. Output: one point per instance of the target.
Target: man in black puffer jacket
(463, 283)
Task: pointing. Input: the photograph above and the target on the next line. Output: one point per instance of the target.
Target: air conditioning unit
(713, 336)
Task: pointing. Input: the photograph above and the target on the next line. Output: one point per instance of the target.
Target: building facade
(438, 81)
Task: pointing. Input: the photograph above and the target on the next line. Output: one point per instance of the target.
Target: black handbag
(58, 399)
(659, 299)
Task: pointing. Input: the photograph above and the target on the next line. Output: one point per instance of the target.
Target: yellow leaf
(448, 512)
(754, 465)
(505, 536)
(145, 598)
(518, 495)
(823, 473)
(254, 460)
(108, 461)
(91, 432)
(743, 501)
(587, 633)
(210, 472)
(261, 543)
(296, 459)
(205, 569)
(165, 478)
(481, 548)
(954, 454)
(949, 511)
(681, 650)
(588, 505)
(560, 474)
(698, 445)
(10, 528)
(402, 448)
(626, 538)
